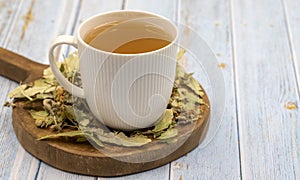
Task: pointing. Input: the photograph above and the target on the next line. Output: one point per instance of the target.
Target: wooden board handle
(19, 68)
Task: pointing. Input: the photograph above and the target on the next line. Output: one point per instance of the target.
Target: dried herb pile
(69, 117)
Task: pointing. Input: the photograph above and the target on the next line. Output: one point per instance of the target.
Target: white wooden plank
(167, 8)
(48, 172)
(24, 165)
(292, 9)
(92, 7)
(9, 9)
(155, 174)
(18, 163)
(8, 143)
(49, 18)
(220, 159)
(266, 81)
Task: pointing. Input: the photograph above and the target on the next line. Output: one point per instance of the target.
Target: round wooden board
(83, 158)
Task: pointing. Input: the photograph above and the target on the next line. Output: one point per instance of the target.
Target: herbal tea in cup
(127, 62)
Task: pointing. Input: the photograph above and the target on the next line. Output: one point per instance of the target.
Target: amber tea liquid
(127, 37)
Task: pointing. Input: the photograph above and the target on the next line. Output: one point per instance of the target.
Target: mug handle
(68, 86)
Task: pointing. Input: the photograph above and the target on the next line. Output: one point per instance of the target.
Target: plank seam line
(78, 7)
(124, 4)
(170, 170)
(176, 12)
(235, 87)
(33, 171)
(293, 56)
(75, 20)
(178, 19)
(38, 170)
(291, 46)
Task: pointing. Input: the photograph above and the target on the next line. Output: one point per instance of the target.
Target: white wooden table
(257, 40)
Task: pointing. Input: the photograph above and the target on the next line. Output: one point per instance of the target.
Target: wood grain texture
(292, 15)
(19, 68)
(265, 80)
(167, 8)
(8, 144)
(53, 173)
(292, 9)
(89, 8)
(220, 159)
(9, 10)
(18, 163)
(48, 19)
(24, 165)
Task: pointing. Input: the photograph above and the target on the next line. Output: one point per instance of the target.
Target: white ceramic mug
(124, 91)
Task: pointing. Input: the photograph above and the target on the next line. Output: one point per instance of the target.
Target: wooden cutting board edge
(75, 161)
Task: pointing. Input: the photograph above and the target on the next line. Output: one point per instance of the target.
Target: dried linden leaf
(49, 120)
(180, 54)
(40, 83)
(71, 65)
(18, 92)
(185, 94)
(137, 140)
(44, 96)
(95, 140)
(189, 99)
(51, 82)
(50, 89)
(65, 134)
(104, 137)
(165, 122)
(30, 92)
(170, 133)
(174, 103)
(179, 72)
(84, 122)
(195, 86)
(69, 112)
(47, 73)
(38, 115)
(121, 139)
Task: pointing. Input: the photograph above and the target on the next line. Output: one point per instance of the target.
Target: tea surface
(148, 38)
